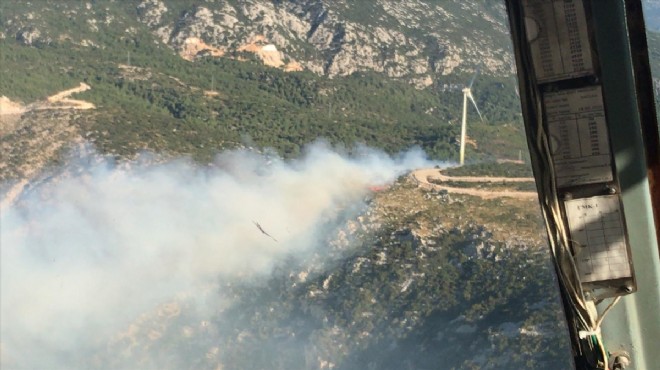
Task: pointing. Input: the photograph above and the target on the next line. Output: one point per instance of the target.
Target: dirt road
(8, 107)
(42, 147)
(423, 176)
(61, 100)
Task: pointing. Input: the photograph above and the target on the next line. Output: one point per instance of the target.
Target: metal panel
(634, 324)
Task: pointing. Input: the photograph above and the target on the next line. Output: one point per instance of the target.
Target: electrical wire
(580, 309)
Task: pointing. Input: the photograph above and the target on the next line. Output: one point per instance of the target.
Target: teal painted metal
(634, 324)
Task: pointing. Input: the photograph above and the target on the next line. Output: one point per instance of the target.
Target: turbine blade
(473, 78)
(475, 105)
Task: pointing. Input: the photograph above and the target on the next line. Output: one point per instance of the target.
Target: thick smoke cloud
(87, 251)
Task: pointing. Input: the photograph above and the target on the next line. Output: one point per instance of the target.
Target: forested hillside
(409, 284)
(164, 205)
(148, 97)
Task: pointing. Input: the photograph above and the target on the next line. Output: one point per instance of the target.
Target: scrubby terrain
(101, 100)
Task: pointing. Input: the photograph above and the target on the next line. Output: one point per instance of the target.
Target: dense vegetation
(162, 102)
(505, 169)
(395, 301)
(459, 299)
(405, 313)
(254, 105)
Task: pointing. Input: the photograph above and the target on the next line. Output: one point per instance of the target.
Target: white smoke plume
(86, 252)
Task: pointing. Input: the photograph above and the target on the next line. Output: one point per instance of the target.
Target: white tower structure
(467, 94)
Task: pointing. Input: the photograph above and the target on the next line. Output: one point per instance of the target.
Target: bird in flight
(262, 230)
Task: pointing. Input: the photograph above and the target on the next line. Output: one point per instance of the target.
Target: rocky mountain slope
(416, 40)
(417, 280)
(652, 14)
(195, 79)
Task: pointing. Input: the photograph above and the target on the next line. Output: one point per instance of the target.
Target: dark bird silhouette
(262, 230)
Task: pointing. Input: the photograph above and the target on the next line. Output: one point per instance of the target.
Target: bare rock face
(415, 40)
(31, 36)
(419, 41)
(151, 12)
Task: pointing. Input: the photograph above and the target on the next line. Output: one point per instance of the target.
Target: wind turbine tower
(467, 94)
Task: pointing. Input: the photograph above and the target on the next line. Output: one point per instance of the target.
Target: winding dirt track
(424, 176)
(61, 100)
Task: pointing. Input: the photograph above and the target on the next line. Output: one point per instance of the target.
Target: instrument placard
(579, 139)
(559, 40)
(596, 227)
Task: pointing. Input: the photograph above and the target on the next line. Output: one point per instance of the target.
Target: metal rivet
(620, 360)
